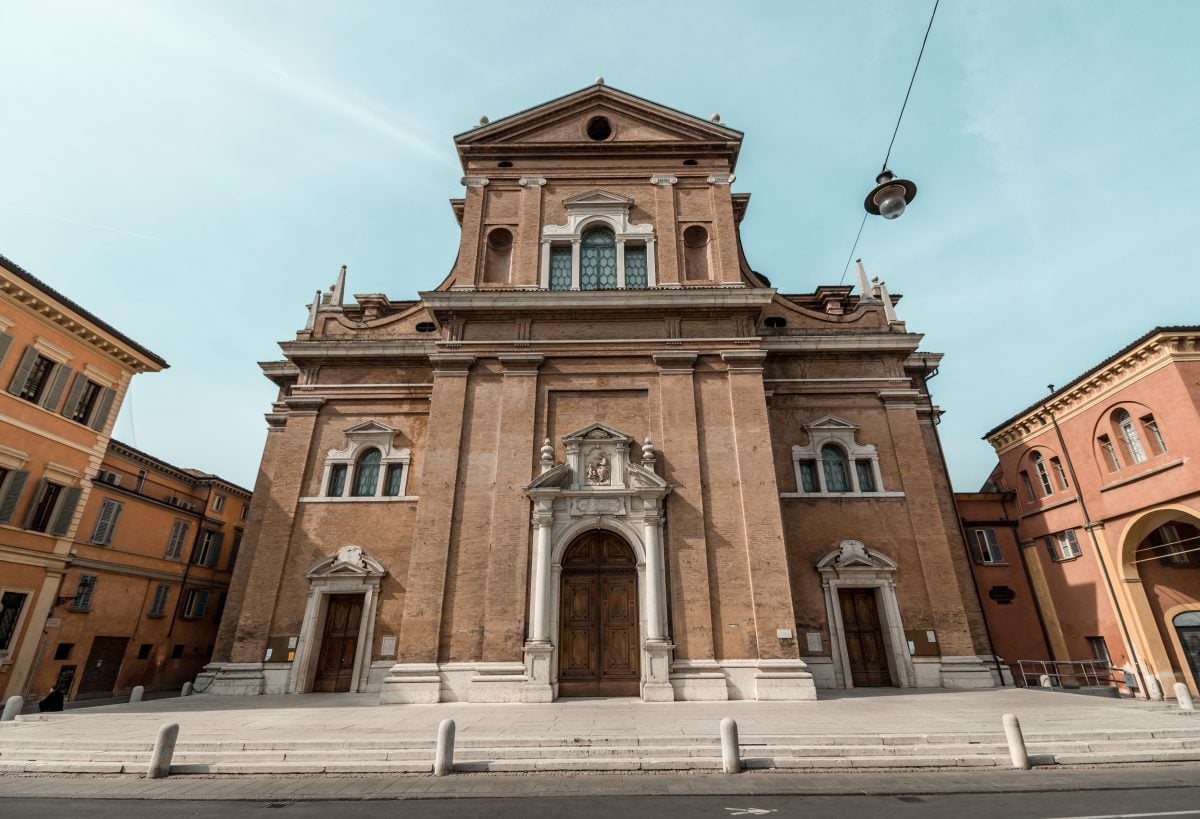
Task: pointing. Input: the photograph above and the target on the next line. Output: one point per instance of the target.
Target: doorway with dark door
(598, 651)
(103, 665)
(339, 643)
(864, 638)
(1187, 626)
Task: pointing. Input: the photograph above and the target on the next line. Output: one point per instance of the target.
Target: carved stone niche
(598, 456)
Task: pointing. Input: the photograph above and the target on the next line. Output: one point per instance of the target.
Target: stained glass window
(560, 268)
(635, 267)
(366, 474)
(598, 260)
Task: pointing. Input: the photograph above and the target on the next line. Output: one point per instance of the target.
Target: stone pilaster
(526, 264)
(726, 258)
(667, 231)
(466, 268)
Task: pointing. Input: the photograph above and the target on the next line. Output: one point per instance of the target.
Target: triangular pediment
(597, 432)
(831, 422)
(565, 119)
(369, 427)
(598, 198)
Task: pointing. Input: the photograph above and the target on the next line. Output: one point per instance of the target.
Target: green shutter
(103, 406)
(58, 383)
(66, 511)
(22, 373)
(215, 551)
(33, 502)
(5, 343)
(12, 495)
(77, 387)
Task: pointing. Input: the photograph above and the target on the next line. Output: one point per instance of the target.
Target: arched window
(598, 260)
(1039, 466)
(366, 474)
(834, 462)
(1133, 443)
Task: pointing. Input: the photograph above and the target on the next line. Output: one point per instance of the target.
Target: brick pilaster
(666, 266)
(686, 546)
(753, 458)
(526, 265)
(426, 584)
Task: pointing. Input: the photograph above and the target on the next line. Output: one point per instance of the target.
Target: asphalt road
(1092, 804)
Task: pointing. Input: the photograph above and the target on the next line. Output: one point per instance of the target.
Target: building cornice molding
(1157, 350)
(489, 301)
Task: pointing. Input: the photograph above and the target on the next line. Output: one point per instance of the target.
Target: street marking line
(1135, 815)
(751, 811)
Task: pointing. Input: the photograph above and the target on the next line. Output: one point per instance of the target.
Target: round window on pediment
(599, 129)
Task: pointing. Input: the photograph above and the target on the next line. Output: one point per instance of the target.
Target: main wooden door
(598, 651)
(864, 638)
(339, 643)
(103, 665)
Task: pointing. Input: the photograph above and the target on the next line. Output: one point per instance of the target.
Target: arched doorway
(1187, 626)
(599, 653)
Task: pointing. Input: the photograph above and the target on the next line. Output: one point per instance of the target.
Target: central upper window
(598, 248)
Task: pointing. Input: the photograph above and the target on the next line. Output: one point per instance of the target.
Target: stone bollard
(1044, 681)
(12, 707)
(443, 757)
(1184, 696)
(136, 694)
(1153, 689)
(164, 749)
(1016, 743)
(731, 760)
(187, 690)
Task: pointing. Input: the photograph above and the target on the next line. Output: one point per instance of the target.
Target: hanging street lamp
(890, 196)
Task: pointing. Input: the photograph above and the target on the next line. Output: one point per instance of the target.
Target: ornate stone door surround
(598, 487)
(350, 571)
(852, 565)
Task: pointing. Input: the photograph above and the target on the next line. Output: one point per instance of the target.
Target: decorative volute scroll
(350, 561)
(854, 555)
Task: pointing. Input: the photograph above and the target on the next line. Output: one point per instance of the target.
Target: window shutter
(100, 533)
(33, 502)
(66, 511)
(22, 373)
(214, 552)
(103, 405)
(58, 383)
(5, 343)
(76, 393)
(8, 504)
(201, 602)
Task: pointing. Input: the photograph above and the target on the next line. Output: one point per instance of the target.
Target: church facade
(604, 457)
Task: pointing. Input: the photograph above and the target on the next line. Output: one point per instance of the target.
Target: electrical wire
(895, 131)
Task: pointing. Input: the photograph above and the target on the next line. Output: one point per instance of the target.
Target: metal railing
(1071, 674)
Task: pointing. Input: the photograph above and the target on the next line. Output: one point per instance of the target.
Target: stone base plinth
(230, 679)
(699, 680)
(783, 680)
(968, 672)
(538, 687)
(408, 683)
(656, 683)
(497, 682)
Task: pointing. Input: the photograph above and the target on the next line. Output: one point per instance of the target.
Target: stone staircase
(663, 753)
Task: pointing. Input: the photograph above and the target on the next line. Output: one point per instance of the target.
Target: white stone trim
(361, 437)
(852, 565)
(842, 434)
(586, 211)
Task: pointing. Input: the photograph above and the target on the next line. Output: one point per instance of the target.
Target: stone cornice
(1155, 350)
(849, 342)
(674, 298)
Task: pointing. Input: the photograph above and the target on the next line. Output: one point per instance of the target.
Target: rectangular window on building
(1027, 485)
(32, 377)
(987, 546)
(1099, 650)
(195, 601)
(66, 677)
(141, 481)
(1110, 453)
(41, 512)
(337, 481)
(12, 483)
(210, 548)
(12, 603)
(158, 607)
(144, 651)
(63, 651)
(83, 399)
(233, 551)
(245, 510)
(84, 589)
(1051, 547)
(1154, 434)
(1068, 545)
(176, 541)
(808, 476)
(176, 651)
(218, 503)
(106, 522)
(1059, 474)
(394, 482)
(866, 476)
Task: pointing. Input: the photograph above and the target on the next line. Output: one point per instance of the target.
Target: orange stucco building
(1100, 482)
(63, 374)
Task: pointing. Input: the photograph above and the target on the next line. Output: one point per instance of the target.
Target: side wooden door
(864, 638)
(103, 665)
(339, 643)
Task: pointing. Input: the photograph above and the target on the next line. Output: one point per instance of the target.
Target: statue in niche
(598, 471)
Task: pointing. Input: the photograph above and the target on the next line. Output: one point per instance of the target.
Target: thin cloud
(69, 221)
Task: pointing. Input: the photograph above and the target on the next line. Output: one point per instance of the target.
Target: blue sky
(192, 172)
